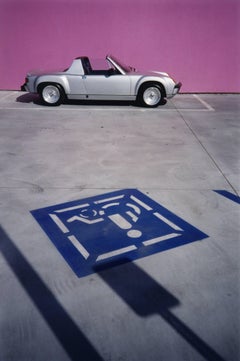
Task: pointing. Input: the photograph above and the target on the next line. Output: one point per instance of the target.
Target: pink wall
(197, 41)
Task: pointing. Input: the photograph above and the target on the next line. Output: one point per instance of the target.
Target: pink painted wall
(197, 41)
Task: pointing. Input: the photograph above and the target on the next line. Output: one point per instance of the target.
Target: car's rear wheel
(150, 95)
(51, 94)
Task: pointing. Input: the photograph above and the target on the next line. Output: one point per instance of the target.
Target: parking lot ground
(175, 293)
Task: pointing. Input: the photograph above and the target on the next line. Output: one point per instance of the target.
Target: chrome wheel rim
(152, 96)
(51, 94)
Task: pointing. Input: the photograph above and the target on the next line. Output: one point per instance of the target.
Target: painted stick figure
(88, 216)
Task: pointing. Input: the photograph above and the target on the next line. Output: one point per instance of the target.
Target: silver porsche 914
(116, 82)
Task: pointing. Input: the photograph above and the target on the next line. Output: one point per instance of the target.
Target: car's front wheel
(51, 94)
(150, 95)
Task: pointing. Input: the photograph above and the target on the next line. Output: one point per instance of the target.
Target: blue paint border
(83, 268)
(229, 195)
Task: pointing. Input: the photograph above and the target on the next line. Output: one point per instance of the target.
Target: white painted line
(79, 246)
(59, 223)
(135, 199)
(160, 239)
(72, 208)
(116, 253)
(165, 220)
(203, 102)
(76, 109)
(195, 110)
(109, 199)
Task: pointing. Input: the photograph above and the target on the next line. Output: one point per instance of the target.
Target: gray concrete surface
(181, 304)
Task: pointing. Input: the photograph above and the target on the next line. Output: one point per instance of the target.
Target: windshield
(124, 67)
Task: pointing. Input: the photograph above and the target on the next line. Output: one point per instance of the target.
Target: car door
(107, 86)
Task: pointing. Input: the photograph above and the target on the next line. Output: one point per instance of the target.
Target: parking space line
(88, 109)
(203, 102)
(110, 109)
(92, 109)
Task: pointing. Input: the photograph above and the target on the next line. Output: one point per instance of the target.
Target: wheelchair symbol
(112, 227)
(91, 216)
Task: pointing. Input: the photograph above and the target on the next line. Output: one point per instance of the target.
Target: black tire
(150, 95)
(51, 94)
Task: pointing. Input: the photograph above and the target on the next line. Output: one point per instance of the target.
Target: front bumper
(177, 88)
(175, 91)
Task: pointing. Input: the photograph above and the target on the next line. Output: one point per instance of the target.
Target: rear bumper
(23, 87)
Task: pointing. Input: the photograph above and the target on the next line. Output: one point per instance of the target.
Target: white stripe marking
(160, 239)
(171, 224)
(78, 109)
(72, 208)
(108, 199)
(112, 109)
(59, 223)
(208, 106)
(116, 253)
(144, 205)
(79, 246)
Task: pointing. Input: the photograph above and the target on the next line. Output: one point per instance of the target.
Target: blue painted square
(94, 233)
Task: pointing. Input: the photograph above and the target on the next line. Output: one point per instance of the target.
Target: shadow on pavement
(141, 292)
(66, 331)
(29, 98)
(146, 297)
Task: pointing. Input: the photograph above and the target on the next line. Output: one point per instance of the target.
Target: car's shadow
(35, 99)
(29, 98)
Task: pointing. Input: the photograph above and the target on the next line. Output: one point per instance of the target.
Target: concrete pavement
(178, 304)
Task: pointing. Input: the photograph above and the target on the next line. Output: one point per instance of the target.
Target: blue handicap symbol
(101, 231)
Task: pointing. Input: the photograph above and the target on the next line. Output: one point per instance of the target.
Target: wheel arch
(60, 79)
(147, 83)
(42, 84)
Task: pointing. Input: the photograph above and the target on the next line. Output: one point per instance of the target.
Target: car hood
(149, 73)
(161, 73)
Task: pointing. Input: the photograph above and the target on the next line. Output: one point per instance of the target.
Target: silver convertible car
(116, 82)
